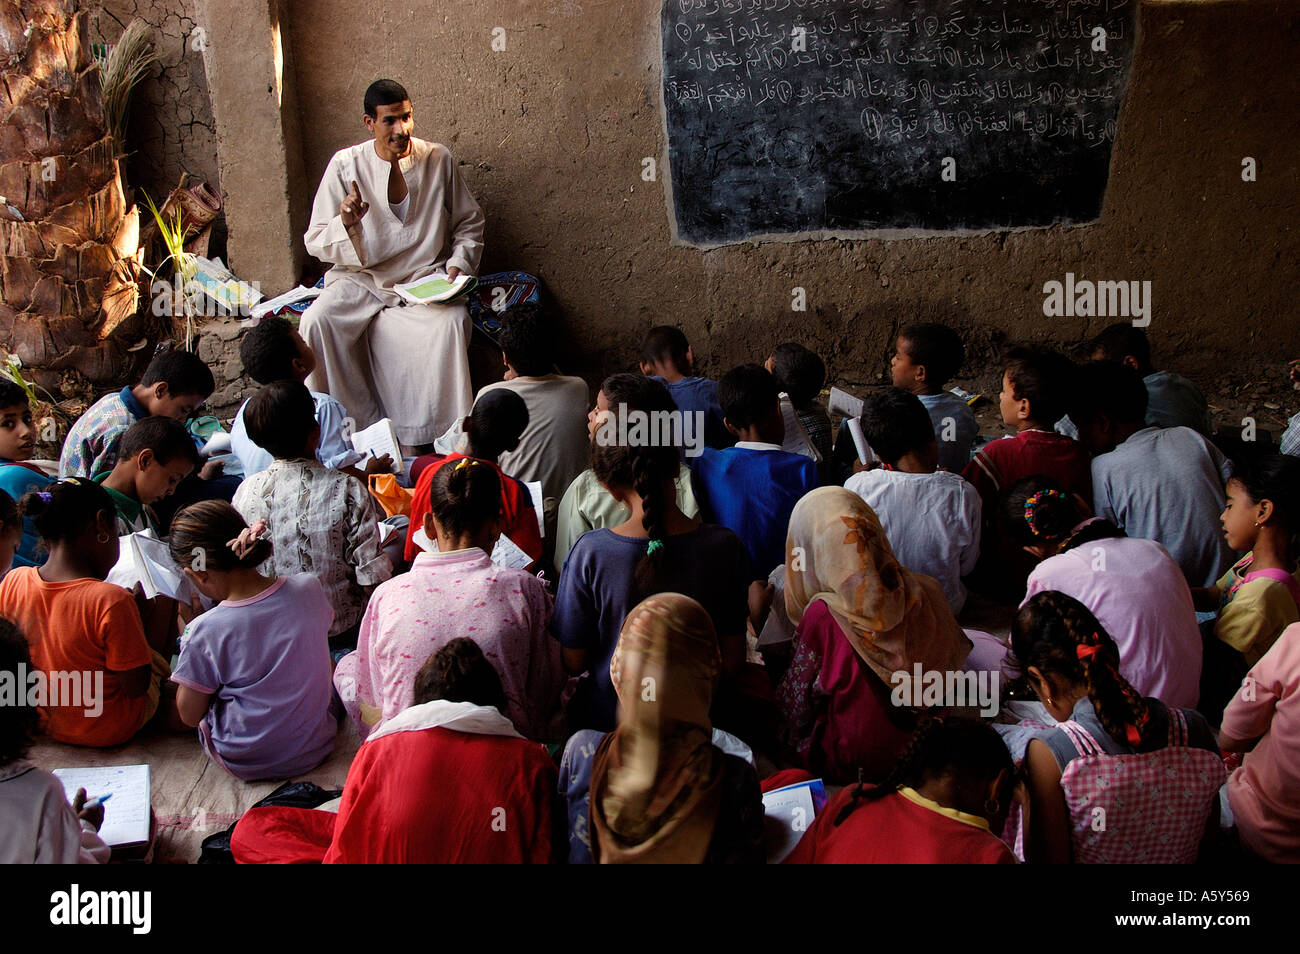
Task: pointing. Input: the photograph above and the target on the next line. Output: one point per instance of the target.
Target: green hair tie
(655, 547)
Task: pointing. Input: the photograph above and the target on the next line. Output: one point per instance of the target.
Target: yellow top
(1252, 620)
(912, 795)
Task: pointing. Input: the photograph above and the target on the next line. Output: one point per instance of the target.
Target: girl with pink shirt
(456, 591)
(1263, 720)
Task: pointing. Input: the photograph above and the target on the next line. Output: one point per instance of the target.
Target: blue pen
(97, 801)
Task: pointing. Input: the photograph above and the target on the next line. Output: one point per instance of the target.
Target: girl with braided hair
(942, 802)
(1133, 586)
(656, 549)
(1123, 778)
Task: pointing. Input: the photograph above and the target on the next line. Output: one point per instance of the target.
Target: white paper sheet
(126, 814)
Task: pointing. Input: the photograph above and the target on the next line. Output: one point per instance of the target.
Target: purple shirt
(266, 662)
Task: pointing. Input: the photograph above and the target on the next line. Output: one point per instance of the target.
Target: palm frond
(129, 62)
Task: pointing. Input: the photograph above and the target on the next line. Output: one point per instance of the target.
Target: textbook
(505, 553)
(378, 439)
(145, 559)
(127, 815)
(436, 288)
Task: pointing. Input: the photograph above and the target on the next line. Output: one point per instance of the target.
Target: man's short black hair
(1109, 388)
(528, 339)
(747, 394)
(937, 348)
(799, 372)
(665, 344)
(1121, 340)
(1042, 377)
(280, 418)
(11, 395)
(182, 371)
(383, 92)
(895, 423)
(167, 437)
(268, 350)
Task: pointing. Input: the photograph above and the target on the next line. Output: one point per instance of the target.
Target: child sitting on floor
(154, 455)
(456, 591)
(752, 487)
(926, 356)
(1132, 586)
(77, 623)
(553, 448)
(37, 825)
(800, 374)
(1035, 386)
(667, 358)
(448, 781)
(656, 549)
(492, 428)
(322, 521)
(175, 383)
(587, 505)
(1172, 400)
(254, 671)
(942, 803)
(1154, 809)
(1263, 720)
(273, 350)
(17, 477)
(1259, 596)
(931, 517)
(1158, 483)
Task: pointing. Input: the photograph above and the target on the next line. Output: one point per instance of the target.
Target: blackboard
(834, 116)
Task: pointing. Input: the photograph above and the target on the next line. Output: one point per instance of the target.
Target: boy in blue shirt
(273, 350)
(752, 487)
(926, 356)
(667, 357)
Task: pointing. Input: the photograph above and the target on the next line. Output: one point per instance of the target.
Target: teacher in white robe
(389, 210)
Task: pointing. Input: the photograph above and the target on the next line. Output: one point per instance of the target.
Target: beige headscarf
(656, 783)
(836, 552)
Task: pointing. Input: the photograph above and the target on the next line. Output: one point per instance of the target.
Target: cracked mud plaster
(170, 128)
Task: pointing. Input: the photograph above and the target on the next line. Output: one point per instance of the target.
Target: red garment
(437, 796)
(1000, 463)
(838, 713)
(282, 835)
(519, 519)
(895, 830)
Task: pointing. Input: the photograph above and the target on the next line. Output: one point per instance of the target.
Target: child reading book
(1132, 586)
(273, 350)
(931, 517)
(942, 803)
(456, 591)
(321, 521)
(78, 624)
(17, 477)
(154, 455)
(37, 825)
(926, 356)
(174, 384)
(254, 671)
(492, 428)
(800, 374)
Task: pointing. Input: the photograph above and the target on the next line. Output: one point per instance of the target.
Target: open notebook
(145, 559)
(126, 814)
(378, 439)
